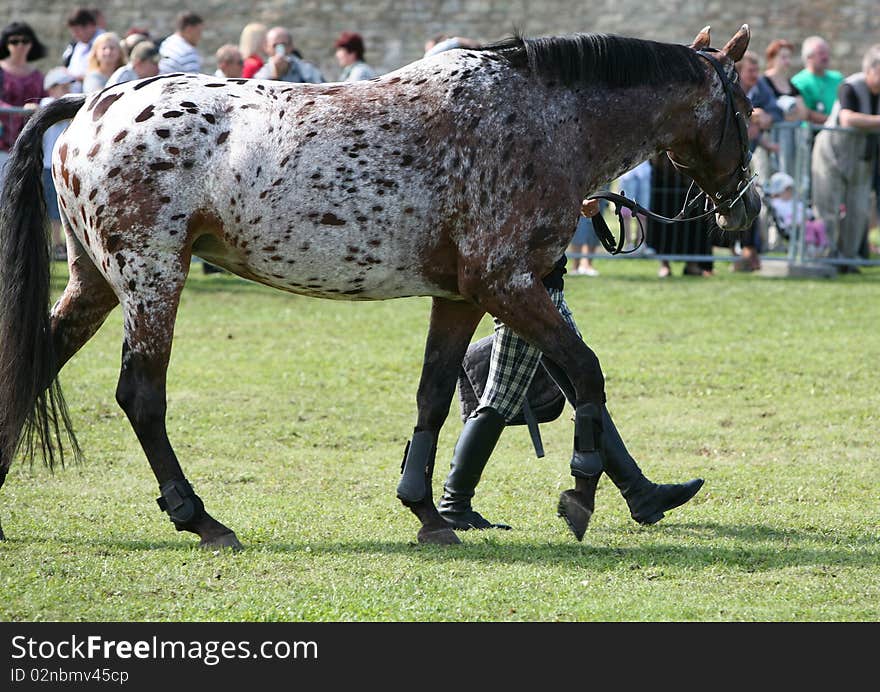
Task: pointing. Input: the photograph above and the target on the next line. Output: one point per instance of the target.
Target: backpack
(544, 399)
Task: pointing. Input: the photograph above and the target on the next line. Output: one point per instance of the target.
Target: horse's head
(716, 152)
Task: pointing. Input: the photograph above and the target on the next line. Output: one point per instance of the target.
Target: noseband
(743, 183)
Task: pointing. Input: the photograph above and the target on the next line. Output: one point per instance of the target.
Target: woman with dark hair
(350, 56)
(21, 86)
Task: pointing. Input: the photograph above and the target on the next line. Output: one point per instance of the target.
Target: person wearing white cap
(142, 63)
(786, 211)
(57, 82)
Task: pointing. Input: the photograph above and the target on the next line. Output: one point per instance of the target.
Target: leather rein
(606, 237)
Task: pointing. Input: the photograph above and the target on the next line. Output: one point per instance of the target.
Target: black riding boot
(472, 451)
(647, 501)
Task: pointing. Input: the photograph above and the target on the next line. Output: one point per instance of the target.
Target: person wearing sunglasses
(21, 85)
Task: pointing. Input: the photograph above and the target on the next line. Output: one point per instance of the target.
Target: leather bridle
(742, 183)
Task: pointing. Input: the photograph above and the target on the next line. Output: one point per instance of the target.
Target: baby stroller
(782, 213)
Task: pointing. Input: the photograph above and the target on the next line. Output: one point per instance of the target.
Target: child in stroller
(784, 211)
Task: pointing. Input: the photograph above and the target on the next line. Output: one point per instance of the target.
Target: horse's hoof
(224, 540)
(2, 535)
(575, 513)
(438, 536)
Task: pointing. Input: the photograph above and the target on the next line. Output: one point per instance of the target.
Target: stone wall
(395, 31)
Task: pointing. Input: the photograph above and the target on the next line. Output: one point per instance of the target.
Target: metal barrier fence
(6, 111)
(699, 242)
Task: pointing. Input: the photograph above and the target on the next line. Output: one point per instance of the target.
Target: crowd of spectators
(838, 202)
(842, 189)
(97, 58)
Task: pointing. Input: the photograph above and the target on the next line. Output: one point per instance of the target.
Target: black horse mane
(614, 61)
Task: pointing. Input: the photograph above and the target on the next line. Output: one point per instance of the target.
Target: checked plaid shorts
(513, 364)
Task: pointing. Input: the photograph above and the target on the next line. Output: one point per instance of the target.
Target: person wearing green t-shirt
(817, 84)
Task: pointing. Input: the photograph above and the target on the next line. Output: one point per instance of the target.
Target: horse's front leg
(536, 317)
(450, 331)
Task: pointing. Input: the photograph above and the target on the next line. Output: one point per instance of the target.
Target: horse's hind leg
(452, 326)
(148, 329)
(83, 307)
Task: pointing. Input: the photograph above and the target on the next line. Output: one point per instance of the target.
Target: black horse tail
(32, 408)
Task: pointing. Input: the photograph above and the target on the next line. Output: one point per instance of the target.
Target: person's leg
(59, 243)
(647, 501)
(575, 262)
(638, 224)
(578, 245)
(591, 241)
(827, 193)
(512, 366)
(857, 198)
(587, 268)
(475, 445)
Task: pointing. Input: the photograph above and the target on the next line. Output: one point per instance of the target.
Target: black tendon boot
(647, 501)
(576, 506)
(473, 449)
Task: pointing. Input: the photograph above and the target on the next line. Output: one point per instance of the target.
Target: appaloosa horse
(457, 177)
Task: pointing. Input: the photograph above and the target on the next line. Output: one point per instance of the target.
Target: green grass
(290, 416)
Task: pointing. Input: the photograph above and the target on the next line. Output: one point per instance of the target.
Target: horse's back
(311, 188)
(367, 190)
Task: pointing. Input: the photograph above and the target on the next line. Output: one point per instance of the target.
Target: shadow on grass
(757, 548)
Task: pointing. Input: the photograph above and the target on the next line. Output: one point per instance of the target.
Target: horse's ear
(701, 42)
(736, 47)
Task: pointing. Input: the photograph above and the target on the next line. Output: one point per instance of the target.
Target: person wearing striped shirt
(178, 51)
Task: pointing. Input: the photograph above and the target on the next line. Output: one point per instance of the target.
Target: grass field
(290, 416)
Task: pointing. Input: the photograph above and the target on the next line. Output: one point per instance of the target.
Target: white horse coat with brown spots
(357, 191)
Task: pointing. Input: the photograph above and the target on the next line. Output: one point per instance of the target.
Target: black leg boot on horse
(473, 449)
(647, 501)
(452, 325)
(576, 506)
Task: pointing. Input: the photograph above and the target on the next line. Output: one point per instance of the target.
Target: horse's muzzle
(741, 215)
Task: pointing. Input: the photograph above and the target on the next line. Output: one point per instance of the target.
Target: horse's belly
(340, 285)
(337, 271)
